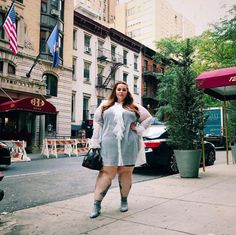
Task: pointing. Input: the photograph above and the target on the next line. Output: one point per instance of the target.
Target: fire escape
(114, 60)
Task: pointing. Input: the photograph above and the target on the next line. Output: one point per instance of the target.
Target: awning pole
(226, 132)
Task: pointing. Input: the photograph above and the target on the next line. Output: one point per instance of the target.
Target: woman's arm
(145, 120)
(97, 128)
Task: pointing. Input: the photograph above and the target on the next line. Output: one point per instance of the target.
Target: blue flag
(54, 45)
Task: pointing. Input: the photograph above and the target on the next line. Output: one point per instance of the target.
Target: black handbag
(93, 160)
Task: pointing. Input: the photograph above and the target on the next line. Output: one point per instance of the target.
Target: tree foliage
(215, 48)
(179, 98)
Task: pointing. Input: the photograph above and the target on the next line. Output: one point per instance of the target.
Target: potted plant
(232, 127)
(186, 119)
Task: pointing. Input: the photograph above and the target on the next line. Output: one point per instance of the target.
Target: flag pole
(37, 58)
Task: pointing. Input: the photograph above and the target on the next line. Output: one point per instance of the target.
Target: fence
(53, 147)
(17, 150)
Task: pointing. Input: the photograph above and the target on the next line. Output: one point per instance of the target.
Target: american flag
(10, 29)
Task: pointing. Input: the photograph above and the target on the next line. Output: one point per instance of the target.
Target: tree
(216, 48)
(178, 96)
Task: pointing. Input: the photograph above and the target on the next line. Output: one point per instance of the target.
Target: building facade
(43, 85)
(151, 20)
(36, 100)
(102, 56)
(101, 11)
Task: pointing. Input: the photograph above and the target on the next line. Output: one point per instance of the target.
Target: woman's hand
(133, 126)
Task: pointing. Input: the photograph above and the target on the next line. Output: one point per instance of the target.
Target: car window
(155, 121)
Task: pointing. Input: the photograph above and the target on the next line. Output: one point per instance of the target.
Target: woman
(118, 127)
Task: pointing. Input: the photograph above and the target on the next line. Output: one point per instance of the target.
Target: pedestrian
(118, 128)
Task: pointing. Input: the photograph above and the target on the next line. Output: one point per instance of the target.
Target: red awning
(29, 104)
(220, 83)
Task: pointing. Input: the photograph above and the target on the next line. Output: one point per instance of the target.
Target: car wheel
(172, 164)
(210, 157)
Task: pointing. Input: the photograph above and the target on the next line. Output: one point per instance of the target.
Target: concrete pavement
(165, 206)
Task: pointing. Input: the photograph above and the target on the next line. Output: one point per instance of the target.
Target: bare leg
(103, 183)
(125, 183)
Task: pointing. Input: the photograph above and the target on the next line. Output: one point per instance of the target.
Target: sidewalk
(164, 206)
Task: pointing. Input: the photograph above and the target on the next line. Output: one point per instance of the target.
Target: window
(1, 28)
(51, 82)
(43, 39)
(74, 69)
(113, 53)
(74, 39)
(86, 71)
(113, 50)
(145, 89)
(100, 76)
(125, 76)
(135, 85)
(44, 6)
(100, 48)
(87, 47)
(125, 53)
(21, 1)
(54, 4)
(11, 69)
(113, 77)
(135, 62)
(86, 108)
(99, 101)
(73, 106)
(145, 65)
(1, 66)
(52, 11)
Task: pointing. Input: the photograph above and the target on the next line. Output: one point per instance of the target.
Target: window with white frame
(113, 53)
(86, 107)
(125, 76)
(74, 68)
(100, 48)
(135, 85)
(87, 40)
(73, 106)
(52, 83)
(87, 71)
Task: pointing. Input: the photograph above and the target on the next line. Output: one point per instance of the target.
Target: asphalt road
(40, 181)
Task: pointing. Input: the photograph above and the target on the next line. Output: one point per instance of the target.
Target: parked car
(159, 152)
(5, 155)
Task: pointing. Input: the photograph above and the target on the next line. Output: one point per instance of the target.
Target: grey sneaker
(123, 206)
(96, 211)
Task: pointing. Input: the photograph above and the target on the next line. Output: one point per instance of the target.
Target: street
(40, 181)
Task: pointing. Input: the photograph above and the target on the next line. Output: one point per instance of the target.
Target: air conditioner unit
(113, 58)
(55, 12)
(87, 49)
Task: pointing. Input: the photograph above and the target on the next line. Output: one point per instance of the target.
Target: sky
(201, 12)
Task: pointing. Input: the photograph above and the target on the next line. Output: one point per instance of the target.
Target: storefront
(29, 119)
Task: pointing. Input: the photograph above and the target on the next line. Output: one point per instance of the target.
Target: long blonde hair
(128, 101)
